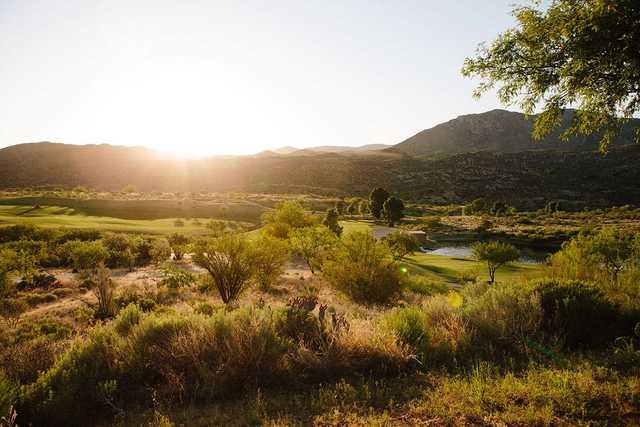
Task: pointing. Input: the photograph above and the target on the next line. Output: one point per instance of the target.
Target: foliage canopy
(575, 52)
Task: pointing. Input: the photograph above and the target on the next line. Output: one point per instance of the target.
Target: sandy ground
(146, 278)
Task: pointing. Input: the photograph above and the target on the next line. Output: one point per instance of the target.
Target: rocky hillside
(498, 131)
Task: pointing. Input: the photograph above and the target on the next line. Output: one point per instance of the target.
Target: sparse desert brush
(504, 318)
(409, 325)
(127, 318)
(538, 396)
(25, 359)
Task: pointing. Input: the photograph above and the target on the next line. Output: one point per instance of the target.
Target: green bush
(409, 325)
(504, 319)
(122, 250)
(127, 318)
(363, 269)
(580, 315)
(70, 392)
(8, 395)
(230, 262)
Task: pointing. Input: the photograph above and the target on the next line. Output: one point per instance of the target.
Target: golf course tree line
(385, 206)
(196, 336)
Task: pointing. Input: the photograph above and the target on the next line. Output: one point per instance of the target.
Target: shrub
(160, 251)
(580, 315)
(505, 319)
(205, 308)
(291, 213)
(179, 244)
(104, 293)
(34, 299)
(269, 254)
(127, 318)
(175, 278)
(362, 268)
(586, 255)
(84, 256)
(11, 310)
(71, 390)
(25, 359)
(6, 267)
(146, 301)
(312, 243)
(121, 249)
(230, 262)
(8, 396)
(409, 325)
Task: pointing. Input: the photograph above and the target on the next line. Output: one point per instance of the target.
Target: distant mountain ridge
(332, 148)
(500, 162)
(499, 131)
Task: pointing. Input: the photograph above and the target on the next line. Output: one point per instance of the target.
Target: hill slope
(498, 131)
(529, 178)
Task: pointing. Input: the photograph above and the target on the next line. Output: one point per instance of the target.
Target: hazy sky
(237, 77)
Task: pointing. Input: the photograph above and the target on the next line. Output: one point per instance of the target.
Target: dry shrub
(23, 361)
(366, 348)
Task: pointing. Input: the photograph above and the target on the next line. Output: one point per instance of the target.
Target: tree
(341, 206)
(393, 209)
(362, 268)
(496, 254)
(352, 208)
(610, 250)
(270, 254)
(230, 261)
(401, 244)
(576, 52)
(376, 201)
(285, 217)
(178, 244)
(364, 209)
(331, 221)
(311, 243)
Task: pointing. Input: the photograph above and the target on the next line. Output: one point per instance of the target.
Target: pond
(464, 250)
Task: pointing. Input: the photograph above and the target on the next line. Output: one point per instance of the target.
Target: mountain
(526, 179)
(499, 131)
(332, 149)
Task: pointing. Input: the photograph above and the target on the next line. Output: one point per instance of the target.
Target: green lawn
(61, 216)
(449, 268)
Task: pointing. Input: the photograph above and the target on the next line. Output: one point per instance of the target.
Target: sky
(206, 77)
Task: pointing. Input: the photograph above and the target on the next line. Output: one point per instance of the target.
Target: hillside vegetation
(525, 179)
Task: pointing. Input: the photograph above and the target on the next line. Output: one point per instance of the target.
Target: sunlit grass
(56, 216)
(450, 268)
